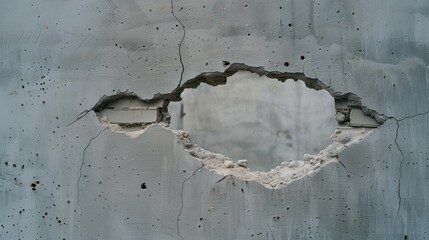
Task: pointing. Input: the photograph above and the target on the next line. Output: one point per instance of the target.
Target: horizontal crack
(220, 78)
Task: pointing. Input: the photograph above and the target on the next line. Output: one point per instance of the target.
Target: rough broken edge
(220, 78)
(283, 174)
(278, 177)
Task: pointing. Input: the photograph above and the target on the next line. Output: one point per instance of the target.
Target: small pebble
(340, 117)
(242, 163)
(308, 157)
(345, 138)
(294, 164)
(228, 164)
(284, 164)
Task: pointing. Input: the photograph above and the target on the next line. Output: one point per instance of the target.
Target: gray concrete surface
(58, 58)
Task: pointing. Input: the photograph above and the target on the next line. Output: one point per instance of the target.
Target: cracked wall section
(278, 175)
(54, 64)
(256, 118)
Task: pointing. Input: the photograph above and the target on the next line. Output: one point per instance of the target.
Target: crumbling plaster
(58, 59)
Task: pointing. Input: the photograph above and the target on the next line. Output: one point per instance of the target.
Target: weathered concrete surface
(58, 58)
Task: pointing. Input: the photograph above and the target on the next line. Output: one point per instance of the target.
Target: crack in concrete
(82, 163)
(402, 153)
(220, 180)
(180, 44)
(412, 116)
(400, 167)
(81, 115)
(220, 78)
(344, 166)
(281, 175)
(181, 199)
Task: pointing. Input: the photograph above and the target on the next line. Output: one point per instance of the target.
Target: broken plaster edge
(278, 177)
(220, 78)
(116, 128)
(282, 175)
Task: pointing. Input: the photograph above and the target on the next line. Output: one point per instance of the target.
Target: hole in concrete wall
(251, 114)
(126, 112)
(130, 112)
(256, 118)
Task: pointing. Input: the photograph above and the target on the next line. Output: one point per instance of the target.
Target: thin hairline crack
(401, 152)
(180, 43)
(181, 199)
(83, 163)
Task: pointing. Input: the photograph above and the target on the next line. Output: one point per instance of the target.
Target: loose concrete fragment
(242, 163)
(286, 176)
(228, 164)
(317, 165)
(332, 151)
(344, 138)
(308, 157)
(284, 164)
(295, 164)
(340, 117)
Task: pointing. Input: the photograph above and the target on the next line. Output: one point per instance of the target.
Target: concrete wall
(83, 181)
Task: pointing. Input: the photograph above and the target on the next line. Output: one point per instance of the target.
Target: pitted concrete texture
(67, 179)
